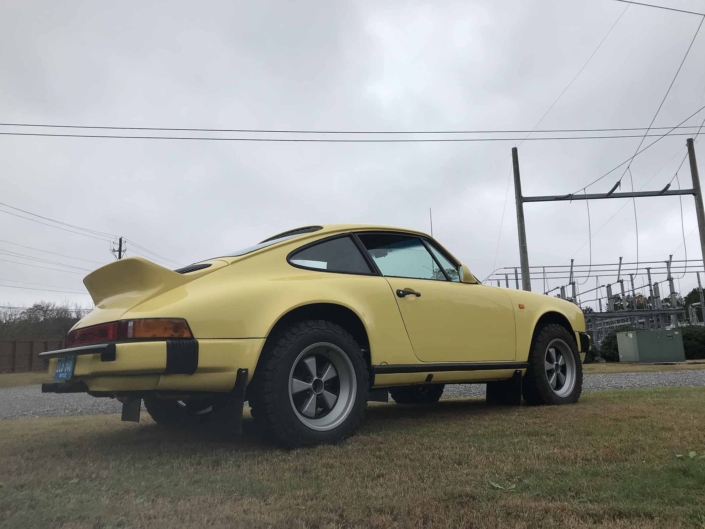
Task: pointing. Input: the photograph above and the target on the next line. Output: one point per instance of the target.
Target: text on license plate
(64, 368)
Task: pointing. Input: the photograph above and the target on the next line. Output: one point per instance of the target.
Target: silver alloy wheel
(559, 363)
(322, 386)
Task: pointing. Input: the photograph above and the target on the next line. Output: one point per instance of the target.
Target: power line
(45, 290)
(680, 200)
(662, 7)
(587, 205)
(351, 132)
(506, 193)
(57, 227)
(42, 285)
(59, 222)
(152, 253)
(333, 140)
(44, 267)
(40, 260)
(666, 95)
(638, 153)
(52, 253)
(84, 231)
(636, 220)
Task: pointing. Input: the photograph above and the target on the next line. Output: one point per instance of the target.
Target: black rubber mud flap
(505, 392)
(131, 410)
(227, 410)
(378, 395)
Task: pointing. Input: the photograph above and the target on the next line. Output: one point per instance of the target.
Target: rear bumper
(178, 365)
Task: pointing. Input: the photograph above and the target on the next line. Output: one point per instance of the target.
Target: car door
(446, 320)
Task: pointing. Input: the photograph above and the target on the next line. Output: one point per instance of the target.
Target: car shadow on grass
(381, 419)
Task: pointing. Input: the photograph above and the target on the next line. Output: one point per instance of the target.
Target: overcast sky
(337, 66)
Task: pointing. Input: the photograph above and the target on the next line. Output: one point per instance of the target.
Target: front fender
(536, 307)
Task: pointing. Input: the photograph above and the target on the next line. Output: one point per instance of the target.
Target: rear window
(259, 246)
(274, 240)
(334, 255)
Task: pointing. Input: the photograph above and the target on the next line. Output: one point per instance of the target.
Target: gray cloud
(337, 65)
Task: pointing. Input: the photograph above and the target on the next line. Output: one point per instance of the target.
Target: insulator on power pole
(610, 299)
(614, 188)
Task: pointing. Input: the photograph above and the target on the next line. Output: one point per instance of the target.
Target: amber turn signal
(155, 328)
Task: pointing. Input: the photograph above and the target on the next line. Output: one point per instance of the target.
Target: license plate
(64, 368)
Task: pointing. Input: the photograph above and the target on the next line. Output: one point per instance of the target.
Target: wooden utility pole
(521, 226)
(119, 252)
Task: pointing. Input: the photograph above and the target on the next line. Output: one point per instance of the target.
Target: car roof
(338, 228)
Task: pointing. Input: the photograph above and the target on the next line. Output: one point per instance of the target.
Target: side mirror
(466, 276)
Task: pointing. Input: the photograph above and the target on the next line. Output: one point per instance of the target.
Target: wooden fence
(17, 356)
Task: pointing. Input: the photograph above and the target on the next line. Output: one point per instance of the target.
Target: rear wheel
(421, 394)
(178, 412)
(311, 385)
(555, 374)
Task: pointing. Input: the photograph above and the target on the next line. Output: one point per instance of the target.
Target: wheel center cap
(317, 386)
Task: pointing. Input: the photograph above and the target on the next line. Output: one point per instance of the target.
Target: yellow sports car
(309, 325)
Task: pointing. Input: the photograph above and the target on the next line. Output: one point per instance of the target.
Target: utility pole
(119, 252)
(702, 298)
(699, 210)
(521, 226)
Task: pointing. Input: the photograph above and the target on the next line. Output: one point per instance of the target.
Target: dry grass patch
(619, 367)
(15, 380)
(608, 461)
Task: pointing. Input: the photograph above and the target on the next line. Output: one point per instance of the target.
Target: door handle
(404, 293)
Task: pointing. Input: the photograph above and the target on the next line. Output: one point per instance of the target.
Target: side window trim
(355, 241)
(372, 263)
(427, 245)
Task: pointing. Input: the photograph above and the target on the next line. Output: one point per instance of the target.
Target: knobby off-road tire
(421, 394)
(310, 386)
(555, 374)
(178, 413)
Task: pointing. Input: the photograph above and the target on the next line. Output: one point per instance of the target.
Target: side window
(401, 256)
(335, 255)
(450, 269)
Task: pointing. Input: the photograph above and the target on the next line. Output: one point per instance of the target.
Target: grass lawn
(619, 367)
(608, 461)
(15, 380)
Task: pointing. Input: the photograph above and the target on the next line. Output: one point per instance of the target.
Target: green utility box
(651, 346)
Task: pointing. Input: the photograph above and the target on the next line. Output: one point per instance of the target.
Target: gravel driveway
(28, 401)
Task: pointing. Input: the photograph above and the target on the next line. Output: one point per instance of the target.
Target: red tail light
(146, 329)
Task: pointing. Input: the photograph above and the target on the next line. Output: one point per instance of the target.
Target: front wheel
(311, 385)
(555, 374)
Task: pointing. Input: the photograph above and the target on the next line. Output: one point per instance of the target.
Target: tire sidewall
(538, 381)
(301, 433)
